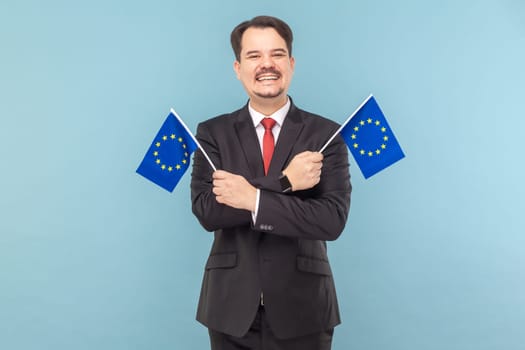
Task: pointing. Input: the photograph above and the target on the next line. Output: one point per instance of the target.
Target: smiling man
(267, 67)
(272, 206)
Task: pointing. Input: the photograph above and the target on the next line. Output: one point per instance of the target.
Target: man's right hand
(304, 171)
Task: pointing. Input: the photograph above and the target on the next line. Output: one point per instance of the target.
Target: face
(265, 67)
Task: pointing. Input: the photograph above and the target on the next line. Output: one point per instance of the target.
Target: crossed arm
(316, 208)
(303, 172)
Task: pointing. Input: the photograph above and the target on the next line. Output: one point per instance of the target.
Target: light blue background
(93, 256)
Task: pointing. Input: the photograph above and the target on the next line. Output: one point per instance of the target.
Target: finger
(220, 174)
(316, 156)
(311, 166)
(219, 183)
(314, 173)
(304, 154)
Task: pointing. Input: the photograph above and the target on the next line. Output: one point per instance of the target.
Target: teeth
(268, 78)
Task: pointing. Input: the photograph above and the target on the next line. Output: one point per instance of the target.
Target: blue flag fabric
(168, 157)
(370, 139)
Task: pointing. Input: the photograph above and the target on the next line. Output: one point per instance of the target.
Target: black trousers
(261, 337)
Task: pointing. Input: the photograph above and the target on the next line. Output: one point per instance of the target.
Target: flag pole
(344, 124)
(194, 139)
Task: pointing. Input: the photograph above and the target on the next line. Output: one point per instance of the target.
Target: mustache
(268, 70)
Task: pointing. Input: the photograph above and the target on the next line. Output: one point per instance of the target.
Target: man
(267, 282)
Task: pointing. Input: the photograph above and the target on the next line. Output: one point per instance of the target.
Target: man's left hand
(234, 190)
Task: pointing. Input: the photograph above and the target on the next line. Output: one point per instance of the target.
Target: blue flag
(168, 157)
(370, 139)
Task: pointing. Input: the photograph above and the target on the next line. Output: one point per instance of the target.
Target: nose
(267, 61)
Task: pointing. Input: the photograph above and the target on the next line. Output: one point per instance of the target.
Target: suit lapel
(249, 142)
(290, 130)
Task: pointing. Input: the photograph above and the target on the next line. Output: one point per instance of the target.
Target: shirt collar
(278, 116)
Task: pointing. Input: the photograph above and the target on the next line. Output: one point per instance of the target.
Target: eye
(279, 54)
(253, 56)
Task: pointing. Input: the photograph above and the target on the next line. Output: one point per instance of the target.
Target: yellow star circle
(370, 152)
(157, 153)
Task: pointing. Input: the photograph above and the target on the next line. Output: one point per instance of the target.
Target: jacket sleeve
(211, 214)
(318, 213)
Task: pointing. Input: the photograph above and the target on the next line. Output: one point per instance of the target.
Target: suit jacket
(283, 254)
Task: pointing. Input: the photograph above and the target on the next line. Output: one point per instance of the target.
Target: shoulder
(219, 126)
(314, 120)
(317, 130)
(222, 120)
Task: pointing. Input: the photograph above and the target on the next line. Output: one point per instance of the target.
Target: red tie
(268, 142)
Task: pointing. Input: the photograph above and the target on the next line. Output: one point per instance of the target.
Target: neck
(268, 106)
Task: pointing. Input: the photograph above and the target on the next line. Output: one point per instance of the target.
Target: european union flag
(169, 155)
(370, 139)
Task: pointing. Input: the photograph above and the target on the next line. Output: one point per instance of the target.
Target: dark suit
(284, 253)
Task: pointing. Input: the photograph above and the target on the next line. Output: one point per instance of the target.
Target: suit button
(270, 227)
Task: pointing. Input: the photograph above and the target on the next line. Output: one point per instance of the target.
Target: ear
(237, 69)
(292, 62)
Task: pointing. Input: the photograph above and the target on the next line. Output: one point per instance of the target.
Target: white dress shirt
(257, 117)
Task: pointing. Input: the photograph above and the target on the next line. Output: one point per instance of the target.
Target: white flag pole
(344, 124)
(194, 139)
